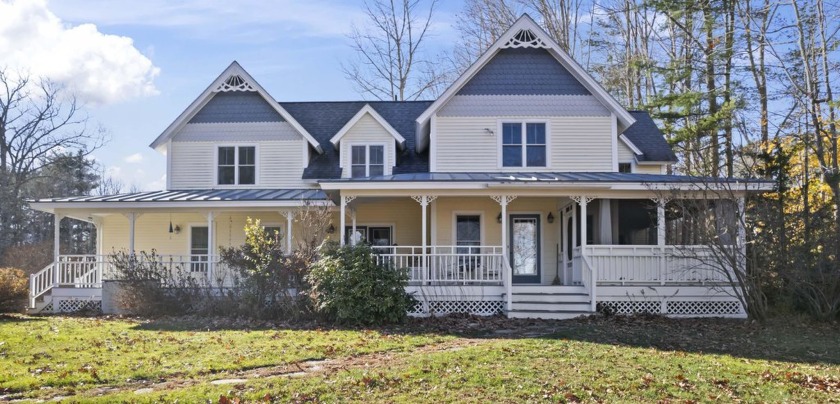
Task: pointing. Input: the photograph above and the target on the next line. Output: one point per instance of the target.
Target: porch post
(289, 218)
(211, 245)
(504, 200)
(593, 278)
(353, 231)
(57, 247)
(424, 201)
(132, 219)
(344, 201)
(660, 238)
(741, 239)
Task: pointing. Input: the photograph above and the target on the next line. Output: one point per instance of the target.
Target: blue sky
(293, 48)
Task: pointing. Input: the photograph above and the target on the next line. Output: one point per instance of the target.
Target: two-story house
(525, 189)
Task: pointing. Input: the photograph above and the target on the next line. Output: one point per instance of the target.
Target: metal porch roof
(200, 195)
(564, 177)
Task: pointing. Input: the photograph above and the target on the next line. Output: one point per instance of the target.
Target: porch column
(660, 238)
(605, 219)
(344, 201)
(424, 201)
(353, 227)
(583, 201)
(741, 238)
(504, 200)
(132, 219)
(289, 219)
(211, 245)
(56, 247)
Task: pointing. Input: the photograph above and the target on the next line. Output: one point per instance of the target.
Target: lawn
(436, 360)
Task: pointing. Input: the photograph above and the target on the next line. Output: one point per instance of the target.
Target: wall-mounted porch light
(331, 229)
(499, 218)
(550, 217)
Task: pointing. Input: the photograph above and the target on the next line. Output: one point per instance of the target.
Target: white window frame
(500, 143)
(236, 164)
(386, 166)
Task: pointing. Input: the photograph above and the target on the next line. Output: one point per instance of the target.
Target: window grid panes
(367, 161)
(524, 151)
(237, 165)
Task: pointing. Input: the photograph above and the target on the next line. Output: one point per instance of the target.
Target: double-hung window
(523, 144)
(367, 161)
(237, 165)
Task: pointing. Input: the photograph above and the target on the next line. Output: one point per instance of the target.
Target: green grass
(614, 360)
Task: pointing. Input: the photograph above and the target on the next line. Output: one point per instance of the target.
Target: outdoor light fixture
(331, 229)
(550, 217)
(499, 218)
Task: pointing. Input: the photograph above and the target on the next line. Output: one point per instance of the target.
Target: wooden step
(548, 314)
(552, 289)
(555, 298)
(543, 306)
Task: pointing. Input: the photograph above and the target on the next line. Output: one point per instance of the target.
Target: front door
(525, 248)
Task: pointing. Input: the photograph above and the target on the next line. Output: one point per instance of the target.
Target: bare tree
(390, 63)
(38, 119)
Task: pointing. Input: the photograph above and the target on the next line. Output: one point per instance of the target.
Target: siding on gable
(238, 131)
(279, 164)
(367, 131)
(625, 155)
(462, 144)
(524, 105)
(237, 107)
(523, 71)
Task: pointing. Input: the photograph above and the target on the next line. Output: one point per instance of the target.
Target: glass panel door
(525, 248)
(198, 248)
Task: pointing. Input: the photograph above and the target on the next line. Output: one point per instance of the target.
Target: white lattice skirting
(444, 307)
(692, 308)
(73, 306)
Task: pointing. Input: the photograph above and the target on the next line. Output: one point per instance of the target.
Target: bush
(348, 286)
(268, 280)
(150, 287)
(13, 290)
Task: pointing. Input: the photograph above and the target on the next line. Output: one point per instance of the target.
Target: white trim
(368, 225)
(630, 144)
(367, 109)
(523, 121)
(433, 237)
(305, 154)
(543, 223)
(525, 22)
(432, 143)
(190, 226)
(481, 223)
(236, 147)
(209, 92)
(614, 140)
(169, 164)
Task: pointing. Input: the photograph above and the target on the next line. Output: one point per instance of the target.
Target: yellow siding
(279, 163)
(367, 131)
(402, 213)
(462, 144)
(447, 208)
(651, 169)
(152, 230)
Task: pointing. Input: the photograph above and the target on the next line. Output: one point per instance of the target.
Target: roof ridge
(351, 101)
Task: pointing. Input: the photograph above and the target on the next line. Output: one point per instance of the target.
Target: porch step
(548, 314)
(543, 306)
(549, 289)
(551, 298)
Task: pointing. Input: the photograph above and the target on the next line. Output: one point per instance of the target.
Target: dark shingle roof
(324, 119)
(645, 134)
(236, 107)
(524, 72)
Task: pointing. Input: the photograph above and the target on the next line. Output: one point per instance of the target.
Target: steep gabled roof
(324, 119)
(368, 110)
(524, 33)
(233, 79)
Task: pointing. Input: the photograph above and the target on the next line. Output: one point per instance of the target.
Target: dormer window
(523, 144)
(237, 165)
(367, 161)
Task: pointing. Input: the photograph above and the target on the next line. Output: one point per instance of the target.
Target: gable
(523, 71)
(235, 107)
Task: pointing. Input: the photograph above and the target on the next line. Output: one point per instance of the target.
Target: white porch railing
(626, 264)
(447, 264)
(88, 271)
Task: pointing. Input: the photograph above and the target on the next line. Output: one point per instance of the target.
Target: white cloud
(156, 185)
(134, 158)
(99, 68)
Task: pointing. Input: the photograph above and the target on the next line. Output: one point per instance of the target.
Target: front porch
(526, 255)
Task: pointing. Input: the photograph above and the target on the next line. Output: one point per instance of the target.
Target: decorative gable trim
(630, 144)
(234, 78)
(525, 32)
(367, 109)
(525, 38)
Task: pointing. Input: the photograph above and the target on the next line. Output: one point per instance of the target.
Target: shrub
(269, 281)
(151, 287)
(13, 290)
(349, 286)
